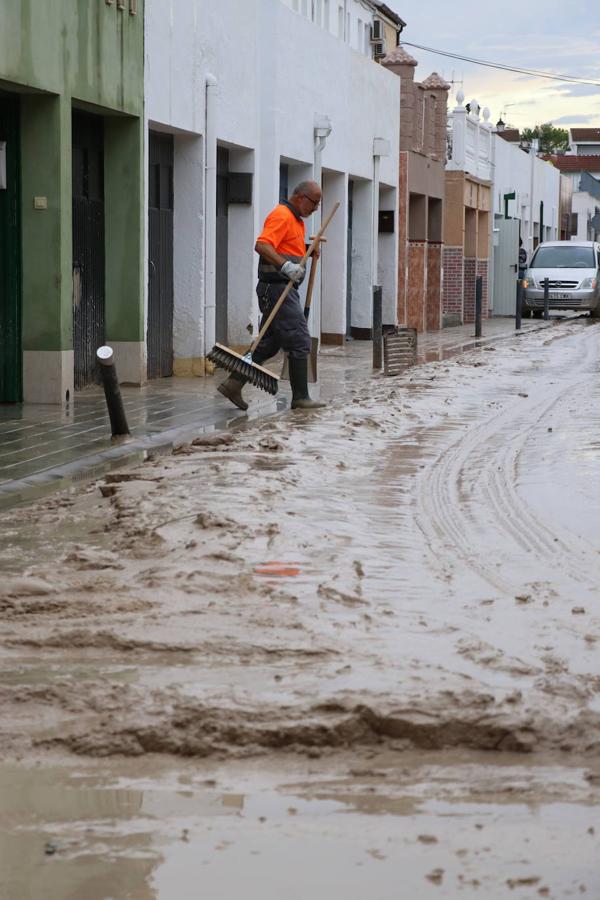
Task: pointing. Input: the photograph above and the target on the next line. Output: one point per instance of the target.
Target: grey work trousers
(288, 331)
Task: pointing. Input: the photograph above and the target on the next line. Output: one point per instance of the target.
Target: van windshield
(567, 257)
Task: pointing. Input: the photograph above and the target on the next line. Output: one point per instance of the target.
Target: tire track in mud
(482, 465)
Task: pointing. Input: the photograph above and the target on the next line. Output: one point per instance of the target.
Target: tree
(552, 140)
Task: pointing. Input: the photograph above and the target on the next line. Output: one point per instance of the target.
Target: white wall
(529, 177)
(585, 206)
(328, 14)
(263, 116)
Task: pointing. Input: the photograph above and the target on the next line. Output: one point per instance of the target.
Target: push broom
(228, 359)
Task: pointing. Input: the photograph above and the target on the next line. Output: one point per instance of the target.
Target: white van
(573, 272)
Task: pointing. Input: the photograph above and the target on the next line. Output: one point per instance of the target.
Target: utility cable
(572, 79)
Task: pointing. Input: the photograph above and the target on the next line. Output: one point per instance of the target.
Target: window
(340, 22)
(367, 40)
(326, 22)
(284, 181)
(359, 34)
(569, 257)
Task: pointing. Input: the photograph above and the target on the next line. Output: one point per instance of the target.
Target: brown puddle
(340, 829)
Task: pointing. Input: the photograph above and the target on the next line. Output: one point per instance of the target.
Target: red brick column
(415, 315)
(470, 269)
(453, 282)
(402, 238)
(433, 300)
(482, 269)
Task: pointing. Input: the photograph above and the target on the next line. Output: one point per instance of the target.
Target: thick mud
(415, 569)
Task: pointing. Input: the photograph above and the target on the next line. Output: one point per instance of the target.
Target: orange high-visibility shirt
(284, 232)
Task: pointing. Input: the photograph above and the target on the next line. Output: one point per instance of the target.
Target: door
(221, 286)
(159, 335)
(88, 245)
(10, 256)
(349, 261)
(506, 260)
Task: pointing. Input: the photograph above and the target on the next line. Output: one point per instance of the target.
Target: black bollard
(546, 299)
(478, 304)
(377, 326)
(112, 392)
(519, 309)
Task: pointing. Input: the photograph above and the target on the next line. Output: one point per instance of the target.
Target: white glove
(293, 271)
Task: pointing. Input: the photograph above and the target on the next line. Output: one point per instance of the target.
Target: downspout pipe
(375, 224)
(381, 147)
(210, 214)
(322, 130)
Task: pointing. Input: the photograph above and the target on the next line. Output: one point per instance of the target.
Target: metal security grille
(160, 256)
(88, 245)
(10, 257)
(399, 350)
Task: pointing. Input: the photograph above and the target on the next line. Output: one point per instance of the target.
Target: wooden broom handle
(290, 284)
(311, 282)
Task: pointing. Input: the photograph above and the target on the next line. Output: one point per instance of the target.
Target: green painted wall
(84, 48)
(86, 54)
(46, 233)
(124, 205)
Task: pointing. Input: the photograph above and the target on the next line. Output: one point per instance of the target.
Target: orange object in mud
(278, 569)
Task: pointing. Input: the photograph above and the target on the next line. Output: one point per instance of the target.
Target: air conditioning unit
(377, 33)
(379, 50)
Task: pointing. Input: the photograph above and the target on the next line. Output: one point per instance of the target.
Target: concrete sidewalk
(47, 448)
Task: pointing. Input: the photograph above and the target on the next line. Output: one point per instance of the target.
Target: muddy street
(345, 654)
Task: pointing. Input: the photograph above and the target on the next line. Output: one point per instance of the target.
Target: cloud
(572, 120)
(574, 90)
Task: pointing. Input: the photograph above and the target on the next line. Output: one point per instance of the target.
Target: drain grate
(399, 350)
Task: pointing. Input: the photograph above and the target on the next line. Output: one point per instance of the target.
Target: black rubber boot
(232, 389)
(299, 383)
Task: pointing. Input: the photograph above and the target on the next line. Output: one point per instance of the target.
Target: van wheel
(595, 313)
(537, 313)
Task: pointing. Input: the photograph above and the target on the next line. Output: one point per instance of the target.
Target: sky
(551, 36)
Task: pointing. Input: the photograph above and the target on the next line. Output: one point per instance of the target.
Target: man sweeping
(281, 246)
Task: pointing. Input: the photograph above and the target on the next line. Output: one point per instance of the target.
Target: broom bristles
(233, 362)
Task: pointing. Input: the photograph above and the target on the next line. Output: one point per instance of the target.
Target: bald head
(306, 198)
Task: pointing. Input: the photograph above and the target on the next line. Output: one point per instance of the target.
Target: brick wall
(402, 236)
(415, 314)
(433, 302)
(453, 282)
(470, 269)
(482, 269)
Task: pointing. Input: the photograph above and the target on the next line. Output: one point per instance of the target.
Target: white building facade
(368, 26)
(524, 199)
(255, 97)
(536, 186)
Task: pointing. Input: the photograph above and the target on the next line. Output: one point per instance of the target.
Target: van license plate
(553, 295)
